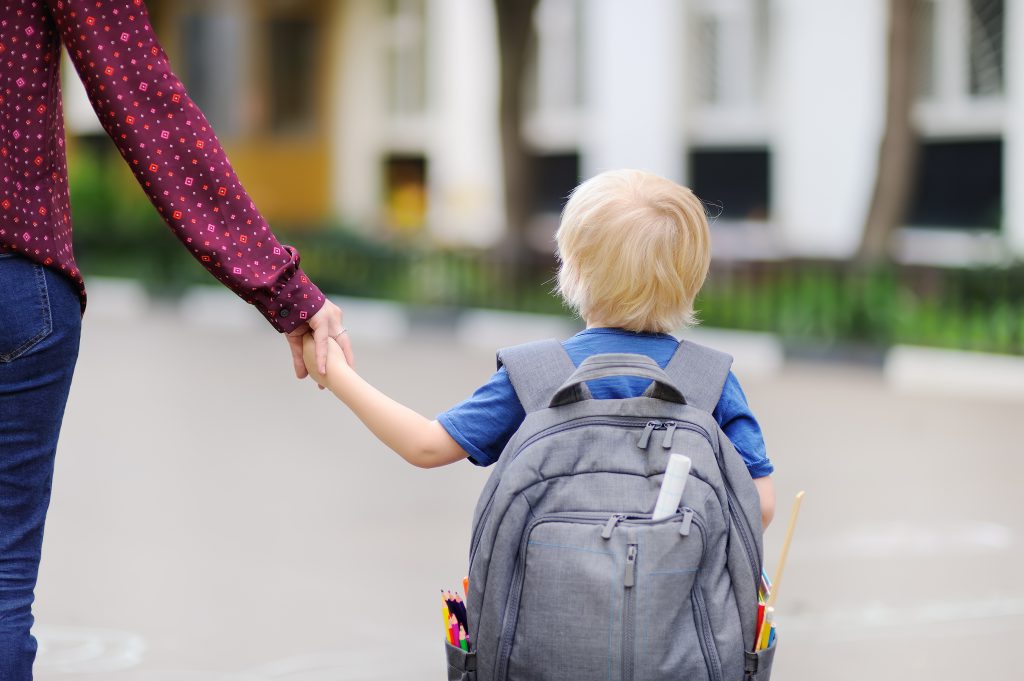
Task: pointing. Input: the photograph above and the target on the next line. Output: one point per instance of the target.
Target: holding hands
(323, 327)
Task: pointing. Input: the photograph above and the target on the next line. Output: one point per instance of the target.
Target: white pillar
(356, 115)
(463, 151)
(1013, 144)
(830, 107)
(635, 80)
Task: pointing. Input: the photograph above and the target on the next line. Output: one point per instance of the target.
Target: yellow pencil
(445, 615)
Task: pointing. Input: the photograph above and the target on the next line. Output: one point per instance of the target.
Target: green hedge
(117, 233)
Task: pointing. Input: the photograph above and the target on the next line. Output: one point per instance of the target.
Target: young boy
(634, 251)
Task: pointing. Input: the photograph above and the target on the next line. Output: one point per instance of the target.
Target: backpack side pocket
(758, 666)
(461, 663)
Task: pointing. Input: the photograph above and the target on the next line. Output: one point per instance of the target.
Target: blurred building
(383, 113)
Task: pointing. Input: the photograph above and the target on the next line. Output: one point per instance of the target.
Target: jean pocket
(759, 664)
(25, 318)
(461, 664)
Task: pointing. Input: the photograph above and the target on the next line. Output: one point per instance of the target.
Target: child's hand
(336, 361)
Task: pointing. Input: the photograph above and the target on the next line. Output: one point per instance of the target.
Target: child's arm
(766, 489)
(416, 439)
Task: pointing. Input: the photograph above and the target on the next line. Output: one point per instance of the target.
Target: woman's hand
(325, 325)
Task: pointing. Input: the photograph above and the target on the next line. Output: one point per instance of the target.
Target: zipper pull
(645, 437)
(684, 527)
(670, 430)
(609, 526)
(630, 579)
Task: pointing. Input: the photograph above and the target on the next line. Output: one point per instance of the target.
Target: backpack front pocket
(592, 592)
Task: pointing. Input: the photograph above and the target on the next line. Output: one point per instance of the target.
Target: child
(634, 251)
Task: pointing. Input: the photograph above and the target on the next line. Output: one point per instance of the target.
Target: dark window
(554, 178)
(959, 184)
(735, 184)
(292, 49)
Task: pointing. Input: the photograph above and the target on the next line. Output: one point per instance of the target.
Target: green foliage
(117, 233)
(834, 303)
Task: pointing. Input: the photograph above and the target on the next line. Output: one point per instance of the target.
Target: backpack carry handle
(616, 364)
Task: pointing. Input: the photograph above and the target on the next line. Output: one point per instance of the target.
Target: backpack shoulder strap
(536, 370)
(700, 373)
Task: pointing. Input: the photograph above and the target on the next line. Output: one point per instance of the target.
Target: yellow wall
(288, 180)
(288, 176)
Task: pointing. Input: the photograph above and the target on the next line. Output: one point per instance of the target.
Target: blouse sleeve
(177, 159)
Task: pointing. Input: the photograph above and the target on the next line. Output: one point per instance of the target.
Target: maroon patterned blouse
(161, 133)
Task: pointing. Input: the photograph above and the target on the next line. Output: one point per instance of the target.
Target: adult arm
(178, 160)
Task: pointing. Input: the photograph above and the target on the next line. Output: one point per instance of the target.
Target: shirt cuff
(293, 303)
(475, 455)
(760, 469)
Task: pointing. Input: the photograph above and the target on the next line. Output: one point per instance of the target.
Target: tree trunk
(515, 30)
(897, 158)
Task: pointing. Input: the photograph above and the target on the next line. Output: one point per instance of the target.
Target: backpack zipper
(649, 426)
(626, 421)
(701, 617)
(707, 637)
(629, 614)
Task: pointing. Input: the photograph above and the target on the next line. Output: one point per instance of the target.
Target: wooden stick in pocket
(782, 564)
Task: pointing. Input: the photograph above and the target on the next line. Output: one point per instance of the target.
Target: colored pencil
(465, 587)
(456, 608)
(463, 641)
(762, 639)
(445, 615)
(453, 627)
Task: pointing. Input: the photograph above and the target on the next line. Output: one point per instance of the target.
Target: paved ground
(215, 520)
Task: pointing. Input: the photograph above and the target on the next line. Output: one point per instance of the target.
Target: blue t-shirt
(484, 423)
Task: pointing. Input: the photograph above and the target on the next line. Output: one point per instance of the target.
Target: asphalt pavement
(214, 519)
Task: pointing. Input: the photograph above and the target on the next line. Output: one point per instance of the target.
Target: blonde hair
(634, 250)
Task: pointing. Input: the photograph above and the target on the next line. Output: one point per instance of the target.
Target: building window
(730, 52)
(959, 185)
(211, 47)
(292, 45)
(554, 75)
(554, 178)
(406, 55)
(405, 192)
(986, 47)
(735, 184)
(961, 49)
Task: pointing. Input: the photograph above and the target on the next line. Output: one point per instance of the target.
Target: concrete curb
(905, 368)
(921, 370)
(756, 354)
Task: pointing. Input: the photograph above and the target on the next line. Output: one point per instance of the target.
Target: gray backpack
(569, 579)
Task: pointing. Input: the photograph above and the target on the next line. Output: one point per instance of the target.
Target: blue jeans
(40, 322)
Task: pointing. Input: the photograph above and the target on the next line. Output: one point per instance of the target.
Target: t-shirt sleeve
(484, 423)
(738, 423)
